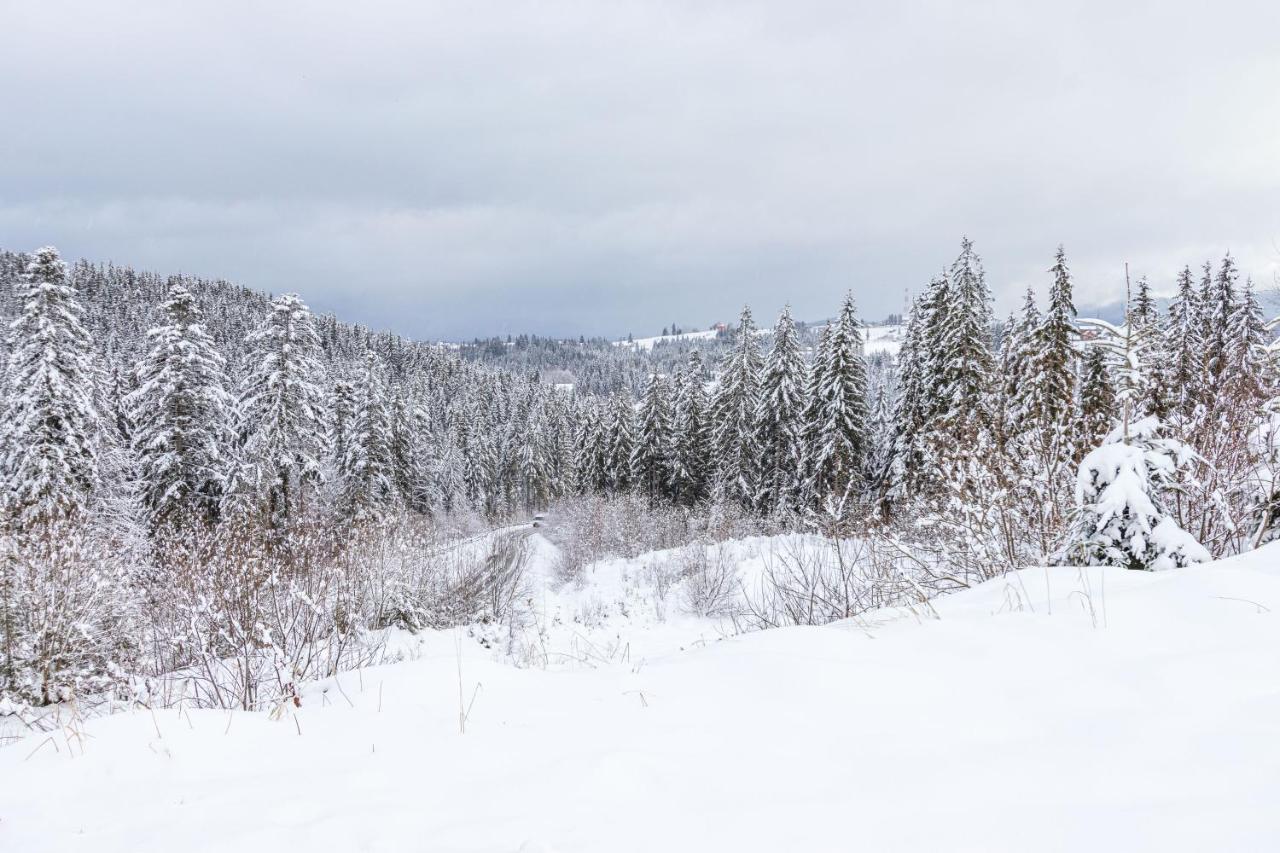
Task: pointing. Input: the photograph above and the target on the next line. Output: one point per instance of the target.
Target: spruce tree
(1018, 354)
(342, 409)
(733, 416)
(912, 407)
(651, 455)
(962, 363)
(780, 421)
(1147, 330)
(181, 411)
(280, 414)
(589, 473)
(1183, 349)
(1097, 409)
(619, 442)
(690, 435)
(1123, 516)
(837, 440)
(1219, 308)
(1051, 374)
(1245, 377)
(367, 474)
(49, 438)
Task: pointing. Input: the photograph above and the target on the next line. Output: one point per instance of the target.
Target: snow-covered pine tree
(912, 406)
(1050, 381)
(367, 474)
(1097, 408)
(1183, 349)
(1147, 328)
(589, 473)
(280, 415)
(49, 437)
(1017, 354)
(619, 442)
(182, 416)
(733, 416)
(1245, 376)
(651, 455)
(342, 409)
(1122, 517)
(880, 432)
(690, 435)
(962, 360)
(837, 441)
(66, 504)
(780, 421)
(403, 446)
(1219, 309)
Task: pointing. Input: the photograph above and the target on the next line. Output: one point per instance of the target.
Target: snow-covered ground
(645, 344)
(886, 339)
(1048, 710)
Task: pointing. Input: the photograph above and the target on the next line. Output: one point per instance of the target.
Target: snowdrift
(1052, 709)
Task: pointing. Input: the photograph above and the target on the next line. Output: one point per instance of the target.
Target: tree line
(153, 428)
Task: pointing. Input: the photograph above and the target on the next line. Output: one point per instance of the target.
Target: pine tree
(1183, 349)
(1097, 401)
(589, 473)
(1123, 517)
(367, 473)
(690, 435)
(1219, 308)
(1051, 374)
(733, 416)
(880, 431)
(651, 455)
(837, 441)
(49, 438)
(780, 421)
(181, 410)
(962, 364)
(619, 442)
(1018, 354)
(1244, 378)
(342, 410)
(1147, 330)
(280, 413)
(912, 407)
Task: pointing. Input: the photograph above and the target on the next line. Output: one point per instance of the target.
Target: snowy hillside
(645, 344)
(885, 339)
(1048, 710)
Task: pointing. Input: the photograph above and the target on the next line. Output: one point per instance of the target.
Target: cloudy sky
(450, 169)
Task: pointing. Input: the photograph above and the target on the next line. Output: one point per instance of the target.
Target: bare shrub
(710, 581)
(67, 614)
(592, 528)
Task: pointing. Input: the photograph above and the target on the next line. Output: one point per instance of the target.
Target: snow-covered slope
(886, 339)
(647, 343)
(1049, 710)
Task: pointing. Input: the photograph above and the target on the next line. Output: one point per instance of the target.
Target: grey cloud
(451, 169)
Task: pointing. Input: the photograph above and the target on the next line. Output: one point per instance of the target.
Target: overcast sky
(453, 169)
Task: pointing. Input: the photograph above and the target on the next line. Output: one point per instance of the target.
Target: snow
(885, 339)
(1053, 709)
(646, 344)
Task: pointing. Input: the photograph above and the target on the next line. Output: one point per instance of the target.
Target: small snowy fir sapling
(1121, 518)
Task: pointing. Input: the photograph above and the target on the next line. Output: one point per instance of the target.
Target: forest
(211, 495)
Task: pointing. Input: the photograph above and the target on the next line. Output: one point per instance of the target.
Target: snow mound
(1053, 709)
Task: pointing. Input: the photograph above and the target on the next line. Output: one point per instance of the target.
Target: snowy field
(646, 344)
(885, 339)
(1048, 710)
